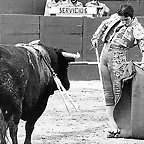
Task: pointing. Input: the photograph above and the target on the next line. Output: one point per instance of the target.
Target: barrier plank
(19, 28)
(18, 38)
(90, 26)
(61, 21)
(0, 27)
(20, 24)
(73, 30)
(20, 18)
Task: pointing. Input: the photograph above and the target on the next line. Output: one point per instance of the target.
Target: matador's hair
(126, 10)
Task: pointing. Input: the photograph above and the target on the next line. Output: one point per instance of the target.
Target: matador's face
(126, 20)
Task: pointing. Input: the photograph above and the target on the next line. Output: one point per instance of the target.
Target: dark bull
(26, 83)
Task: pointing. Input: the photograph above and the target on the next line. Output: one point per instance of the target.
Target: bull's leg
(13, 125)
(36, 113)
(29, 127)
(3, 128)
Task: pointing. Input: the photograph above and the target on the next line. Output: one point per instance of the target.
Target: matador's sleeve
(138, 33)
(103, 26)
(100, 30)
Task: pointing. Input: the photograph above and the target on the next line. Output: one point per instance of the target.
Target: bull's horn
(34, 42)
(66, 54)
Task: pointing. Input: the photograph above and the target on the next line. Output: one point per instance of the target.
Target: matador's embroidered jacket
(132, 35)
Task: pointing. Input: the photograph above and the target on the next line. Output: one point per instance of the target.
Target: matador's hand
(142, 61)
(94, 43)
(142, 65)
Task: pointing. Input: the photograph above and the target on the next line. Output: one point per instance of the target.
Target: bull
(26, 83)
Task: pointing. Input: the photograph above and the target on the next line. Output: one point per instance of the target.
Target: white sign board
(73, 11)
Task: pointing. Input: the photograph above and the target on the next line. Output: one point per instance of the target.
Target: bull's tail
(3, 129)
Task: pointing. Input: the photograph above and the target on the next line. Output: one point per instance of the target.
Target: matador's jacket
(118, 39)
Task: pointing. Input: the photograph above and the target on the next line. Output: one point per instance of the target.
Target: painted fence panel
(19, 28)
(90, 25)
(65, 33)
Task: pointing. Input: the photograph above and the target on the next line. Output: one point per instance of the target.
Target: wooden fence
(71, 34)
(19, 28)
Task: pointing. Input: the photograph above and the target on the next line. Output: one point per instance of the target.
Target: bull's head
(63, 60)
(60, 60)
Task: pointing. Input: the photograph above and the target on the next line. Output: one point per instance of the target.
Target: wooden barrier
(18, 28)
(63, 33)
(69, 33)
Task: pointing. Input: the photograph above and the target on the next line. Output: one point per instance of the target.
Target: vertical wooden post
(0, 28)
(84, 38)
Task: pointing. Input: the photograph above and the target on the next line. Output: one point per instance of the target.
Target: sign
(73, 11)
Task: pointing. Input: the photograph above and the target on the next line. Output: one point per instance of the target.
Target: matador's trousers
(112, 65)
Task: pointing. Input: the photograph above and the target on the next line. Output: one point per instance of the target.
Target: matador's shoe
(114, 134)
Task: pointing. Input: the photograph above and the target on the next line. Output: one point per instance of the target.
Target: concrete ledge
(83, 71)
